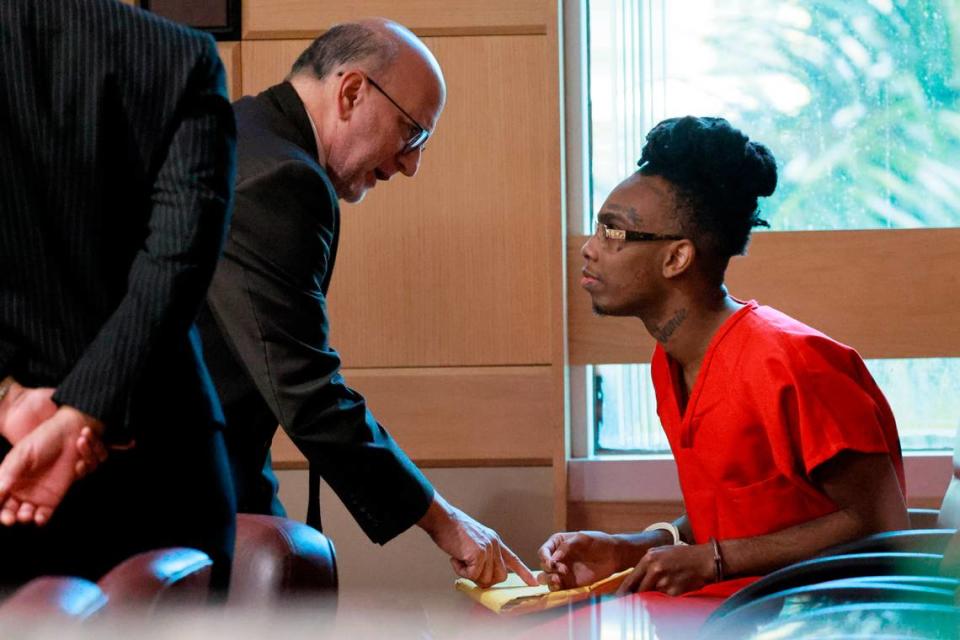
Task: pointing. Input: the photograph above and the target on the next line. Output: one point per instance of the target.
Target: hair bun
(760, 165)
(717, 168)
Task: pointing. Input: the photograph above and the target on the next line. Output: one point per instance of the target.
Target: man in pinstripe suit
(116, 166)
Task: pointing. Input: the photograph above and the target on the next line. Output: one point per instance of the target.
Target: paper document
(514, 597)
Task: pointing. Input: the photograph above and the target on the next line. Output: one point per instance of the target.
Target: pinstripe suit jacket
(116, 168)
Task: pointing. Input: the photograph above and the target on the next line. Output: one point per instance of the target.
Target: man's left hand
(36, 474)
(674, 570)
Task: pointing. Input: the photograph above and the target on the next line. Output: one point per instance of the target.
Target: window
(860, 103)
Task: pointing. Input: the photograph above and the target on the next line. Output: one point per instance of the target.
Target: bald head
(374, 93)
(378, 47)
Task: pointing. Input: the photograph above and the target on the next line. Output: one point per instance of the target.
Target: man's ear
(679, 258)
(349, 93)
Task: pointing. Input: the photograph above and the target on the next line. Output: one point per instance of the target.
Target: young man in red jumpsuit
(784, 443)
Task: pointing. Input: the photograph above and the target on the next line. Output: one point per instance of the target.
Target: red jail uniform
(774, 399)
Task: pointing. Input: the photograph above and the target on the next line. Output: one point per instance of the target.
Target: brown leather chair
(159, 578)
(56, 598)
(278, 560)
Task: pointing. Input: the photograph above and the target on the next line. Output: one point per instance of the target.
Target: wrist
(438, 517)
(82, 419)
(9, 390)
(631, 547)
(716, 560)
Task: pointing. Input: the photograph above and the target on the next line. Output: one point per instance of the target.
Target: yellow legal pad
(514, 597)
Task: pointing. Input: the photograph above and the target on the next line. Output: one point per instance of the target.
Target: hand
(38, 471)
(575, 559)
(23, 409)
(476, 552)
(92, 451)
(672, 570)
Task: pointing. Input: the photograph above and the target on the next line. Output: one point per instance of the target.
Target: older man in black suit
(357, 108)
(116, 167)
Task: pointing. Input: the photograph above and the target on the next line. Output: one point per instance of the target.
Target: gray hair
(341, 44)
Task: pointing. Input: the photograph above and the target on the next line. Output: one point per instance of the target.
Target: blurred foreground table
(357, 615)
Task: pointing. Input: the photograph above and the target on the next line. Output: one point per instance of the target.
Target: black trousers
(169, 490)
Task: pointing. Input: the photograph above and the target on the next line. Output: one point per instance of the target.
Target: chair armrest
(173, 576)
(909, 541)
(924, 518)
(832, 568)
(744, 621)
(54, 597)
(278, 558)
(884, 619)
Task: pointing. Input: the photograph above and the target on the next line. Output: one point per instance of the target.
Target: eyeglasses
(615, 238)
(419, 137)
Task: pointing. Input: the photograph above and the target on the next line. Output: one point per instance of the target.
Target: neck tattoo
(664, 332)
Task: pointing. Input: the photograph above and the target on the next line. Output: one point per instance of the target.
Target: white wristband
(667, 526)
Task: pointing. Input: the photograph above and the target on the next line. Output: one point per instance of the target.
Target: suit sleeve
(169, 275)
(268, 301)
(8, 351)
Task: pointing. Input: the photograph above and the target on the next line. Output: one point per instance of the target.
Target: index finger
(513, 562)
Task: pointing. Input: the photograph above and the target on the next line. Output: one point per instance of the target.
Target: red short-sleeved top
(773, 400)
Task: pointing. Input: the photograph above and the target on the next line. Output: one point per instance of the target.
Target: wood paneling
(265, 63)
(230, 55)
(274, 19)
(620, 517)
(887, 293)
(455, 267)
(490, 416)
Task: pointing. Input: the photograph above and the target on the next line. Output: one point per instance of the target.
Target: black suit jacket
(116, 166)
(114, 190)
(265, 332)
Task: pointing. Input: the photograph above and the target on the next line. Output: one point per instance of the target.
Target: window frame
(638, 477)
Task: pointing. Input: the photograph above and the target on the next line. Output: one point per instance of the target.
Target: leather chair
(56, 598)
(278, 560)
(156, 579)
(890, 620)
(831, 568)
(745, 621)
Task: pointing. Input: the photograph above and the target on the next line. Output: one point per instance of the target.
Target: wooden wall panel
(230, 55)
(455, 266)
(887, 293)
(308, 18)
(267, 62)
(620, 517)
(490, 416)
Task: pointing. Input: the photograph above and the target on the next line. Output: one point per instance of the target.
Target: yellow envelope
(514, 597)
